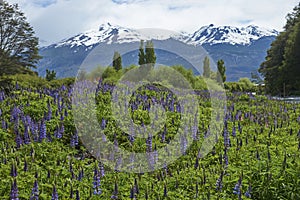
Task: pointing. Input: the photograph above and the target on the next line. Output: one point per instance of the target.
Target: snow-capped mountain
(230, 35)
(109, 33)
(242, 49)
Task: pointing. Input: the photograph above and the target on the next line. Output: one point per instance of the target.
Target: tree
(50, 75)
(142, 54)
(18, 45)
(291, 64)
(117, 61)
(221, 77)
(150, 57)
(206, 68)
(281, 67)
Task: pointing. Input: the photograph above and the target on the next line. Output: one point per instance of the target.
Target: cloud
(54, 20)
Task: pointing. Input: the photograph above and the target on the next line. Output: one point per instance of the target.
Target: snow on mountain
(229, 34)
(108, 33)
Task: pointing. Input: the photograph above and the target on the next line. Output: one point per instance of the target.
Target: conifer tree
(142, 54)
(117, 61)
(206, 68)
(221, 77)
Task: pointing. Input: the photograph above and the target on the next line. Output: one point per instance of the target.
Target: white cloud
(54, 20)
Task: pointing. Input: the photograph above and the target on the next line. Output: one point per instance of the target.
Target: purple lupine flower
(237, 187)
(49, 114)
(132, 196)
(61, 130)
(54, 194)
(197, 163)
(19, 140)
(226, 139)
(96, 182)
(14, 193)
(234, 131)
(13, 171)
(26, 135)
(149, 143)
(74, 140)
(183, 144)
(4, 125)
(136, 187)
(25, 165)
(102, 171)
(103, 123)
(165, 191)
(80, 175)
(219, 183)
(240, 127)
(35, 191)
(43, 131)
(62, 117)
(226, 159)
(77, 195)
(115, 193)
(131, 138)
(248, 192)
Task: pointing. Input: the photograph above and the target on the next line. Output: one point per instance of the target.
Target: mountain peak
(212, 34)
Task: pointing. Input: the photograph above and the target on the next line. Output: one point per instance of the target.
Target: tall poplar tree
(206, 68)
(117, 61)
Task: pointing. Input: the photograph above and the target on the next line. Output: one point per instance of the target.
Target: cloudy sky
(54, 20)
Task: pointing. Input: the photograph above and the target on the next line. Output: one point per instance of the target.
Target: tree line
(281, 68)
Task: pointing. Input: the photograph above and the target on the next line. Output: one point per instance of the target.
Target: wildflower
(237, 188)
(13, 171)
(43, 133)
(115, 193)
(35, 191)
(102, 172)
(248, 192)
(77, 195)
(54, 194)
(96, 182)
(26, 135)
(219, 183)
(132, 196)
(165, 191)
(197, 163)
(14, 191)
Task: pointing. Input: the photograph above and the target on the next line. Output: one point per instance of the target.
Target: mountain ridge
(211, 34)
(242, 49)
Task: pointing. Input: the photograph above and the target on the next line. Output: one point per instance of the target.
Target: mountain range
(242, 49)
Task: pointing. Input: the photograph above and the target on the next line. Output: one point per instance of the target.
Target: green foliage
(142, 54)
(27, 81)
(221, 76)
(243, 85)
(111, 75)
(117, 61)
(50, 75)
(281, 67)
(18, 45)
(206, 67)
(264, 151)
(150, 57)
